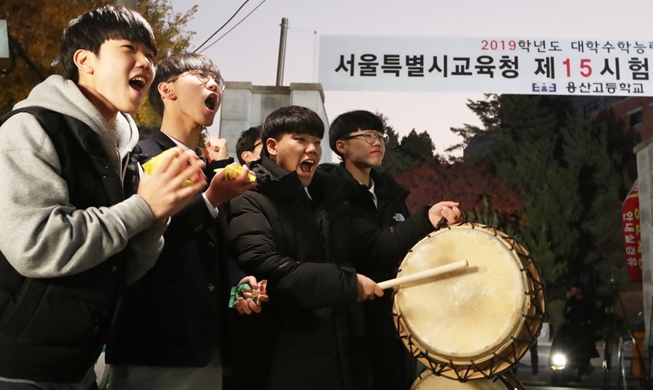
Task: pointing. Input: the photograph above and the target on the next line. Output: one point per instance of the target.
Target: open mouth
(211, 102)
(306, 166)
(138, 83)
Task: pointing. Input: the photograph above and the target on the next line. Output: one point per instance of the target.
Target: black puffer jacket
(392, 366)
(391, 208)
(310, 333)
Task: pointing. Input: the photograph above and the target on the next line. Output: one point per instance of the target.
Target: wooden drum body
(429, 381)
(475, 322)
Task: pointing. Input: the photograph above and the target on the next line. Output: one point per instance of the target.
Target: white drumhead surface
(467, 313)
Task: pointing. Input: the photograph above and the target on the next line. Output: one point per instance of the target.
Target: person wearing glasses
(249, 145)
(359, 139)
(170, 331)
(297, 231)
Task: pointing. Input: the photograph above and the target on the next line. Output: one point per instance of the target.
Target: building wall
(245, 105)
(634, 113)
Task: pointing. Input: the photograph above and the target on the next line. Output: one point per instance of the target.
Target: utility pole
(4, 40)
(282, 51)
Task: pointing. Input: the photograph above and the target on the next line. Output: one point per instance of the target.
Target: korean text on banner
(631, 231)
(515, 65)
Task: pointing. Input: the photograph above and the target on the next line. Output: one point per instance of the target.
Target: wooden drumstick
(443, 269)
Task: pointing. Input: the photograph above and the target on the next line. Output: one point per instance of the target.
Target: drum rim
(511, 351)
(507, 380)
(518, 311)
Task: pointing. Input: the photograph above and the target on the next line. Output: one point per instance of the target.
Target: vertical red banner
(630, 226)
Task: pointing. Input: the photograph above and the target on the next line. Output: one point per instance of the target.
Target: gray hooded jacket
(36, 217)
(42, 235)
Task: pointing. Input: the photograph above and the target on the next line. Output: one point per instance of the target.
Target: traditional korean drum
(429, 381)
(475, 322)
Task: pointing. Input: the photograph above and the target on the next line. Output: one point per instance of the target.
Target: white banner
(4, 42)
(486, 65)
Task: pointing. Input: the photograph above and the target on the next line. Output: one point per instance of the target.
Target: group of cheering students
(95, 254)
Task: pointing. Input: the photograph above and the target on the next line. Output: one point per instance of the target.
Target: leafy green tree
(522, 140)
(508, 122)
(35, 29)
(418, 147)
(413, 150)
(570, 175)
(394, 161)
(491, 217)
(551, 206)
(602, 187)
(488, 112)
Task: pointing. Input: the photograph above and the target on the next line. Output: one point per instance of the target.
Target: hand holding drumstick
(367, 288)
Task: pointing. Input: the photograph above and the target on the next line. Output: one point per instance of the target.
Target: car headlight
(558, 361)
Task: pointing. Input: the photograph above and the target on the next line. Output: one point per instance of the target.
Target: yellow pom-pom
(231, 172)
(150, 165)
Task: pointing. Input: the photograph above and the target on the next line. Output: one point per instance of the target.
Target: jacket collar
(166, 142)
(278, 182)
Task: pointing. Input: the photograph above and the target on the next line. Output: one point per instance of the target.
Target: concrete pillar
(245, 105)
(236, 109)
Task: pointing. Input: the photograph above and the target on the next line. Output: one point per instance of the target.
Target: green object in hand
(243, 290)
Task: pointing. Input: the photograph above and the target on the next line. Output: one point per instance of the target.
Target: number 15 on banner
(584, 66)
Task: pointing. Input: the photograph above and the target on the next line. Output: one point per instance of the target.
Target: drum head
(465, 315)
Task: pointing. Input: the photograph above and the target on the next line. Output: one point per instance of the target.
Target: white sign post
(4, 41)
(486, 65)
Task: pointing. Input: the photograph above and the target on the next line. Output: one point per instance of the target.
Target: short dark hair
(90, 30)
(247, 141)
(291, 120)
(351, 122)
(174, 66)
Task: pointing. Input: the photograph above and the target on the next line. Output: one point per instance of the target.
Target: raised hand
(172, 184)
(446, 209)
(217, 148)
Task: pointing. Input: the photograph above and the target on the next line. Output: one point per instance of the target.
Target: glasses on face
(203, 76)
(371, 136)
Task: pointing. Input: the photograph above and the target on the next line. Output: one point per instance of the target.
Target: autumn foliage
(35, 29)
(475, 186)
